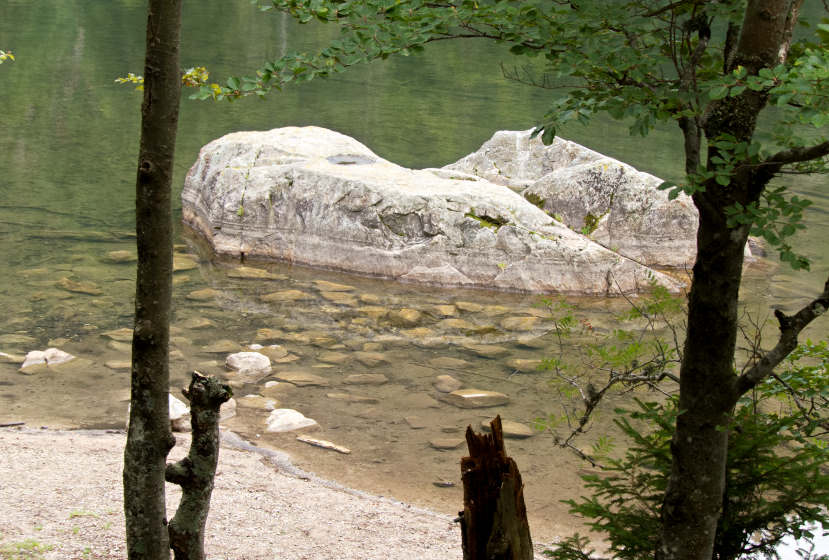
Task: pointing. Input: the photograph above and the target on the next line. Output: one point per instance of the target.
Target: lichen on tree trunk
(494, 519)
(195, 472)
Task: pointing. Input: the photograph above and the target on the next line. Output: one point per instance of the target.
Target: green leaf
(718, 93)
(549, 135)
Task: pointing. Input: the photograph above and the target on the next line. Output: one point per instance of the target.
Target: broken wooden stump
(195, 472)
(494, 518)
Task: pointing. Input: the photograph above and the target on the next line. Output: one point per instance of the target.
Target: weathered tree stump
(195, 472)
(494, 519)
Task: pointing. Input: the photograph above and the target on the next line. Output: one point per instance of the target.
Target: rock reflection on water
(372, 362)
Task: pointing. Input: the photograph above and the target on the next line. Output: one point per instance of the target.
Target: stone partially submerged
(316, 197)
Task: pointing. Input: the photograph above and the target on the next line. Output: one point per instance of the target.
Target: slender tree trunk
(707, 395)
(195, 472)
(494, 522)
(149, 438)
(709, 386)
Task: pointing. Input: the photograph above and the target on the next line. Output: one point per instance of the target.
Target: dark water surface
(68, 148)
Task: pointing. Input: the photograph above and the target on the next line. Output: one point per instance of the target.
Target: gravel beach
(61, 491)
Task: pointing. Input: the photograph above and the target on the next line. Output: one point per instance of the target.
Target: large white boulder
(316, 197)
(611, 202)
(513, 159)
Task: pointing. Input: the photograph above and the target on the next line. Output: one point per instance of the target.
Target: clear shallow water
(68, 145)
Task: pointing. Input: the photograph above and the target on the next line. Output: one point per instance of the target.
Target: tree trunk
(708, 383)
(195, 472)
(149, 438)
(707, 395)
(494, 519)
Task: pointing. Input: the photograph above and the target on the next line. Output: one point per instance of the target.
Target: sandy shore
(63, 490)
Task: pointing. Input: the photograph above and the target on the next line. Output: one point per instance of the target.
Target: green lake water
(68, 150)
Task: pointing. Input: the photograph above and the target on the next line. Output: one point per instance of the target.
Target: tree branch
(663, 9)
(797, 155)
(790, 327)
(788, 31)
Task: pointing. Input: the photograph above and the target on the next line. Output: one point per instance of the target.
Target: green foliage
(776, 482)
(487, 221)
(591, 223)
(642, 61)
(131, 78)
(586, 365)
(5, 55)
(535, 200)
(29, 549)
(192, 77)
(775, 218)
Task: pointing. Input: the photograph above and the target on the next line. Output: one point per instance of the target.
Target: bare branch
(788, 30)
(790, 327)
(797, 155)
(663, 9)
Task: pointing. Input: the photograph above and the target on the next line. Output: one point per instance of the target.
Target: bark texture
(709, 387)
(494, 519)
(149, 438)
(195, 472)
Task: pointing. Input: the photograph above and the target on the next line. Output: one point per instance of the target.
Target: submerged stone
(88, 288)
(325, 286)
(121, 335)
(249, 273)
(446, 444)
(195, 323)
(405, 317)
(273, 351)
(366, 379)
(340, 298)
(121, 256)
(302, 379)
(222, 347)
(183, 262)
(17, 339)
(286, 296)
(257, 402)
(206, 294)
(347, 397)
(333, 357)
(446, 384)
(476, 398)
(469, 306)
(118, 365)
(526, 323)
(512, 430)
(446, 362)
(371, 359)
(485, 350)
(524, 365)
